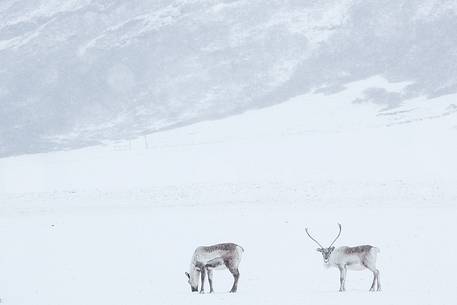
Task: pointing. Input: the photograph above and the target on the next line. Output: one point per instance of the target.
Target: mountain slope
(105, 71)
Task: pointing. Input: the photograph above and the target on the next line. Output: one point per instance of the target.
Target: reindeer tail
(241, 248)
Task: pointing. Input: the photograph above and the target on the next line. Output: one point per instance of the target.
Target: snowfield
(117, 224)
(139, 255)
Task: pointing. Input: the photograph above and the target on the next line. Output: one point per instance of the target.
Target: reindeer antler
(339, 225)
(306, 229)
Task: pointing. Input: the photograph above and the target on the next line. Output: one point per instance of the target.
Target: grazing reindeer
(206, 259)
(355, 258)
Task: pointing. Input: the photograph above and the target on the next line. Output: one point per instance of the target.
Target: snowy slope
(117, 224)
(314, 136)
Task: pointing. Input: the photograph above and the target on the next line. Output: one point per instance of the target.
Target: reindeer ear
(187, 274)
(319, 250)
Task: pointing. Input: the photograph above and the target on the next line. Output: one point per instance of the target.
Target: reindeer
(206, 259)
(355, 258)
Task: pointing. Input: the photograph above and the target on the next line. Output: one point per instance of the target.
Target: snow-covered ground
(138, 255)
(117, 224)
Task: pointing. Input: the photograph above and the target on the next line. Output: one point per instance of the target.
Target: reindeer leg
(210, 279)
(375, 271)
(374, 282)
(236, 276)
(214, 263)
(377, 280)
(203, 274)
(235, 272)
(342, 277)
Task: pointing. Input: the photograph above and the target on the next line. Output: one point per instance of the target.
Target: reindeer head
(192, 278)
(326, 252)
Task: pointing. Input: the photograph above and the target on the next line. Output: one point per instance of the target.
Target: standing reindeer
(206, 259)
(355, 258)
